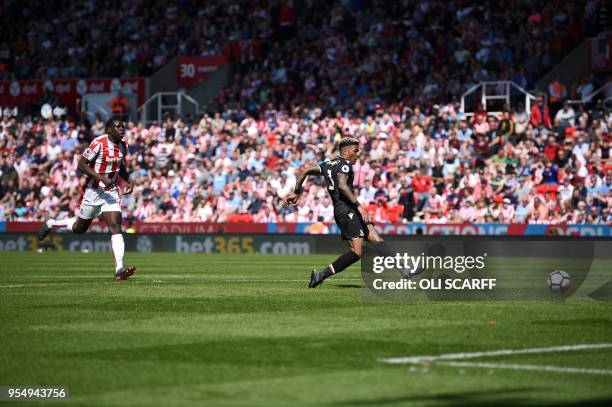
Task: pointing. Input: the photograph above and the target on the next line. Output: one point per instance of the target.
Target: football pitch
(192, 330)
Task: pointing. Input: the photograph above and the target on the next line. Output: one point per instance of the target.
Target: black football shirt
(330, 170)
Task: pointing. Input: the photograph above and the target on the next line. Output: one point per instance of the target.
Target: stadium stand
(335, 54)
(388, 73)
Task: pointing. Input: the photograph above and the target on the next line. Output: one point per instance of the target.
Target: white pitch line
(503, 352)
(556, 369)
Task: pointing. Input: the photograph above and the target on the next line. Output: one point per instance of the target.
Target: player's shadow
(485, 398)
(348, 286)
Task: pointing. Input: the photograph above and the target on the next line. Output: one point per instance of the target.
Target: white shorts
(96, 201)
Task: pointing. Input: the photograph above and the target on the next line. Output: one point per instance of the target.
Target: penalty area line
(501, 352)
(556, 369)
(451, 359)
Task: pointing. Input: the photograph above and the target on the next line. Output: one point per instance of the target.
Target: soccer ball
(559, 280)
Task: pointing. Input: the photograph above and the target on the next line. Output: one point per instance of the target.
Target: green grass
(244, 330)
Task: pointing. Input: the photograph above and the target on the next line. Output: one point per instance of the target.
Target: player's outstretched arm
(293, 198)
(348, 194)
(86, 169)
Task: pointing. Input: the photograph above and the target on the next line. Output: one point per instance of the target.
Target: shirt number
(331, 180)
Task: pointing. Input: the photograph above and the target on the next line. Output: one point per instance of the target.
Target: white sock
(118, 250)
(63, 224)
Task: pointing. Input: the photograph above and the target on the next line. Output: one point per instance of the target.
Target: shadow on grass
(503, 397)
(573, 321)
(324, 352)
(192, 304)
(348, 286)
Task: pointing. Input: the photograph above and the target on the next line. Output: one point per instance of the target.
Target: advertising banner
(175, 243)
(387, 229)
(191, 70)
(22, 93)
(200, 227)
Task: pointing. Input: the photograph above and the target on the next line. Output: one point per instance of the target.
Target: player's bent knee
(114, 230)
(80, 226)
(357, 252)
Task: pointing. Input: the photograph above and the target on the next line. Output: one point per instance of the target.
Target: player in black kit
(351, 218)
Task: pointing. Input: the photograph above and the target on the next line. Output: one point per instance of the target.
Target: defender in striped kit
(102, 163)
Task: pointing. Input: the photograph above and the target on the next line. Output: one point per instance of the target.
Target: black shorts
(350, 223)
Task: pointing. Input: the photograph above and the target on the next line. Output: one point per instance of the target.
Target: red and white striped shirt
(106, 156)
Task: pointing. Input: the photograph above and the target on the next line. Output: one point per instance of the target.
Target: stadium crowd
(433, 165)
(332, 53)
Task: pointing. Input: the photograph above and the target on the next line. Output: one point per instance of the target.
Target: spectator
(120, 106)
(507, 212)
(467, 212)
(522, 211)
(540, 115)
(422, 185)
(566, 116)
(318, 228)
(521, 119)
(586, 88)
(408, 201)
(557, 91)
(551, 148)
